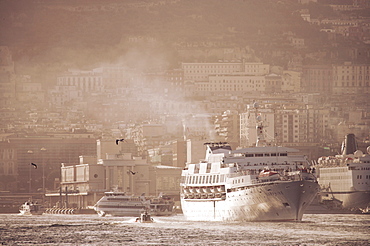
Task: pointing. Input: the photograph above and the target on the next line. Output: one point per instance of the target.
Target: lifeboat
(268, 175)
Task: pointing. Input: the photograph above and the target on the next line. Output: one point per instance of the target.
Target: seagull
(34, 165)
(119, 140)
(133, 173)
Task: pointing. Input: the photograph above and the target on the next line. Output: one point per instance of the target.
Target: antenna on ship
(261, 141)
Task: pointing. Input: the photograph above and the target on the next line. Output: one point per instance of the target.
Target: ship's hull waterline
(275, 201)
(353, 199)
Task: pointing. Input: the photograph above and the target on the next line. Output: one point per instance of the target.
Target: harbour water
(315, 229)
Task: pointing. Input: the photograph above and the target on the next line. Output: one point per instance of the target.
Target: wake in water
(175, 230)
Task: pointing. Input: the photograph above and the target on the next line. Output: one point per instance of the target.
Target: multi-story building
(148, 136)
(273, 83)
(175, 81)
(236, 84)
(115, 171)
(199, 72)
(317, 78)
(86, 81)
(47, 152)
(290, 125)
(7, 80)
(351, 79)
(228, 127)
(298, 126)
(291, 81)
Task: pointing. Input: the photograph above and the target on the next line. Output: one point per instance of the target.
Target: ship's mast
(261, 141)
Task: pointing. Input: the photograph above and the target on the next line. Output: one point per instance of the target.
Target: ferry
(261, 183)
(346, 177)
(119, 204)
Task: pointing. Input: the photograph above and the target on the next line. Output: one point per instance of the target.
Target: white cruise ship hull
(270, 201)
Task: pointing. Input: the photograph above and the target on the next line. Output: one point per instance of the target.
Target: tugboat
(31, 208)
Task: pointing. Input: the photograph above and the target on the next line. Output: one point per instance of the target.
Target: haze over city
(160, 73)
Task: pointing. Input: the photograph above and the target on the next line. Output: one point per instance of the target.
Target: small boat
(145, 218)
(31, 208)
(268, 175)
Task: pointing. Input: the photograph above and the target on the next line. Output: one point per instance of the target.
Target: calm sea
(320, 229)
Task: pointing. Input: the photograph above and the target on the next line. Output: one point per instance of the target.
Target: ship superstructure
(262, 183)
(346, 177)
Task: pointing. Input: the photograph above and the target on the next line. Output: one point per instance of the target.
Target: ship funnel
(349, 145)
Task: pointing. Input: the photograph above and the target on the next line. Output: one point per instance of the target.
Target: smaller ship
(346, 177)
(31, 208)
(120, 204)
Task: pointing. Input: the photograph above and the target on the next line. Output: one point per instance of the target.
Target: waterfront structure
(83, 184)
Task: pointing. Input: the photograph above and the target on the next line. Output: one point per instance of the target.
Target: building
(47, 152)
(227, 127)
(351, 79)
(85, 183)
(317, 78)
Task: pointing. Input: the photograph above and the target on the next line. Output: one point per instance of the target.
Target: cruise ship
(120, 204)
(346, 177)
(261, 183)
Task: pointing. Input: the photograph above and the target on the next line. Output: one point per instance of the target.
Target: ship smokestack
(349, 145)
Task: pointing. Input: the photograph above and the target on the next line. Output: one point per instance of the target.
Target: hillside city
(165, 114)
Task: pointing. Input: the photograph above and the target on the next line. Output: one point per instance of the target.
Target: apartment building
(287, 125)
(351, 78)
(199, 72)
(227, 127)
(86, 81)
(291, 81)
(317, 79)
(290, 125)
(236, 84)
